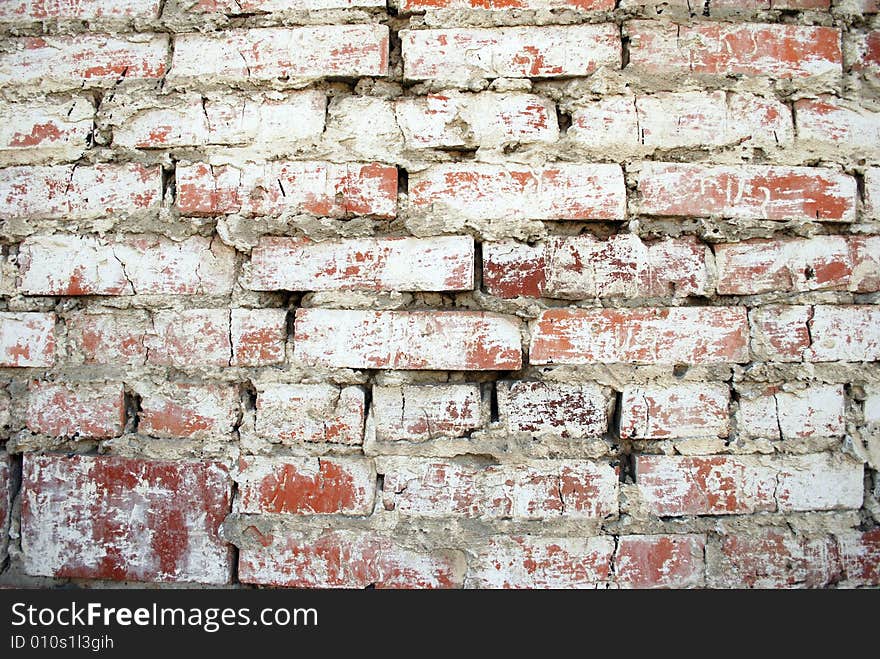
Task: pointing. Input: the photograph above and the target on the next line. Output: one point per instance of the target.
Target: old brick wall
(443, 293)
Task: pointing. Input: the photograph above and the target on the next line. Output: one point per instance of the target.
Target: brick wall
(443, 293)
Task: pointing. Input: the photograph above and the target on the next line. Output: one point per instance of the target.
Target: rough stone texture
(440, 293)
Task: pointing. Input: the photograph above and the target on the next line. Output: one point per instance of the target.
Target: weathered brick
(195, 411)
(531, 562)
(747, 192)
(275, 53)
(488, 120)
(503, 5)
(727, 485)
(560, 191)
(102, 517)
(56, 130)
(872, 193)
(727, 8)
(660, 561)
(70, 192)
(433, 340)
(85, 411)
(5, 503)
(224, 119)
(275, 188)
(569, 410)
(293, 413)
(779, 333)
(512, 52)
(698, 409)
(827, 120)
(774, 559)
(346, 559)
(306, 486)
(670, 120)
(71, 62)
(824, 333)
(850, 263)
(79, 9)
(84, 265)
(417, 413)
(777, 51)
(188, 338)
(688, 335)
(108, 338)
(542, 490)
(236, 7)
(442, 263)
(258, 336)
(866, 51)
(844, 333)
(27, 339)
(583, 267)
(860, 557)
(814, 412)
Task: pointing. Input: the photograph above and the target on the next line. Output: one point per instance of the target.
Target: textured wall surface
(443, 293)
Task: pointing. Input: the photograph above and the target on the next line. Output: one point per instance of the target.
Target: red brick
(860, 557)
(728, 8)
(71, 192)
(195, 411)
(555, 192)
(432, 340)
(45, 129)
(102, 517)
(699, 409)
(583, 267)
(775, 559)
(84, 411)
(827, 120)
(513, 52)
(487, 119)
(275, 53)
(193, 337)
(568, 410)
(848, 263)
(27, 339)
(318, 188)
(417, 413)
(271, 122)
(747, 192)
(79, 9)
(442, 263)
(5, 503)
(503, 5)
(258, 336)
(108, 338)
(530, 562)
(777, 51)
(345, 559)
(774, 414)
(70, 62)
(293, 413)
(660, 561)
(85, 265)
(688, 335)
(543, 490)
(724, 485)
(867, 51)
(306, 486)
